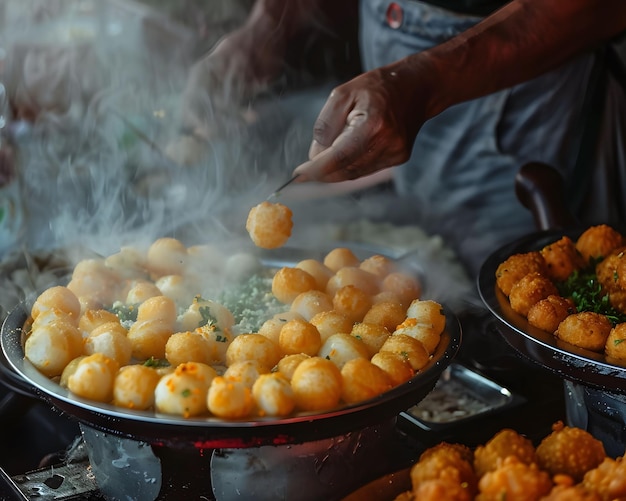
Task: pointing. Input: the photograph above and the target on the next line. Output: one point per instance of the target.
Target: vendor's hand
(366, 125)
(221, 84)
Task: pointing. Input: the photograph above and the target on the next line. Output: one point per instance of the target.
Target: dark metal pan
(566, 360)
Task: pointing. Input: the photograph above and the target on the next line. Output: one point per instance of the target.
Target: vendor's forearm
(520, 41)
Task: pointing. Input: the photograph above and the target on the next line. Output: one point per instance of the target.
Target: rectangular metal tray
(460, 394)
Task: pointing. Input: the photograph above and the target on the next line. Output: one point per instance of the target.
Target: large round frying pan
(210, 432)
(568, 361)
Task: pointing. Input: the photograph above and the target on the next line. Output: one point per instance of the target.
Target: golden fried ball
(92, 279)
(50, 316)
(273, 395)
(506, 442)
(299, 336)
(309, 303)
(148, 338)
(134, 387)
(517, 266)
(427, 334)
(218, 340)
(161, 308)
(428, 312)
(272, 326)
(389, 314)
(409, 348)
(514, 480)
(570, 451)
(229, 399)
(548, 313)
(530, 289)
(565, 491)
(386, 297)
(57, 297)
(140, 291)
(52, 346)
(287, 365)
(289, 282)
(341, 347)
(586, 329)
(245, 371)
(91, 319)
(363, 380)
(253, 347)
(352, 275)
(395, 365)
(93, 378)
(373, 335)
(615, 346)
(318, 270)
(598, 241)
(332, 322)
(316, 384)
(111, 340)
(406, 287)
(183, 392)
(187, 346)
(378, 265)
(166, 256)
(611, 273)
(269, 224)
(353, 302)
(608, 479)
(562, 258)
(340, 257)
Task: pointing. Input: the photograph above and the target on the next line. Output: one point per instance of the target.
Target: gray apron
(460, 178)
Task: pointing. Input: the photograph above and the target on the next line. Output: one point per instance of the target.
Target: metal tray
(460, 395)
(564, 359)
(211, 432)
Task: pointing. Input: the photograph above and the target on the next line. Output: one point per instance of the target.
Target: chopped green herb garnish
(156, 362)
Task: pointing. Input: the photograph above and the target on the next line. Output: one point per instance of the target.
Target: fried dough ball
(92, 278)
(395, 365)
(353, 302)
(140, 291)
(161, 308)
(148, 338)
(530, 289)
(608, 479)
(289, 282)
(128, 263)
(316, 384)
(562, 258)
(409, 348)
(178, 288)
(452, 462)
(598, 241)
(272, 326)
(273, 395)
(406, 287)
(218, 340)
(52, 346)
(378, 265)
(166, 256)
(203, 311)
(69, 370)
(570, 451)
(340, 257)
(245, 371)
(309, 303)
(363, 380)
(59, 298)
(318, 270)
(386, 297)
(615, 346)
(517, 266)
(352, 275)
(548, 313)
(229, 399)
(445, 488)
(111, 340)
(287, 365)
(586, 329)
(427, 334)
(91, 319)
(332, 322)
(253, 347)
(187, 346)
(566, 492)
(428, 312)
(184, 391)
(93, 378)
(373, 335)
(134, 387)
(611, 273)
(504, 443)
(269, 224)
(299, 336)
(53, 315)
(339, 348)
(514, 480)
(386, 313)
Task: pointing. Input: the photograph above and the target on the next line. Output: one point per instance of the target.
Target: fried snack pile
(574, 290)
(568, 465)
(269, 225)
(138, 330)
